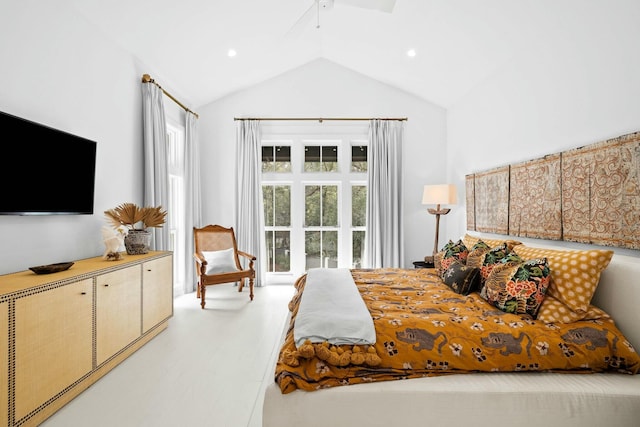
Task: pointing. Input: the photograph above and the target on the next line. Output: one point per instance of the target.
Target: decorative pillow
(437, 259)
(457, 251)
(574, 278)
(485, 259)
(480, 244)
(518, 287)
(511, 257)
(223, 261)
(555, 311)
(461, 278)
(449, 253)
(470, 240)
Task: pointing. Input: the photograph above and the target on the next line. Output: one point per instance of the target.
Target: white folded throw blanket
(331, 309)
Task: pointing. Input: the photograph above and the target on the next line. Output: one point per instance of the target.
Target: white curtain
(156, 176)
(249, 207)
(193, 204)
(384, 245)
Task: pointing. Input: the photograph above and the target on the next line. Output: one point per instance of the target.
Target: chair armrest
(246, 255)
(199, 258)
(202, 264)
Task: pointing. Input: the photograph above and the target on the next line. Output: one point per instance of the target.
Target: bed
(441, 357)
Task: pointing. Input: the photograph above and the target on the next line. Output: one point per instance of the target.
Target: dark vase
(137, 242)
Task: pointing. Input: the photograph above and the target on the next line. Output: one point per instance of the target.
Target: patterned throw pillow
(480, 244)
(518, 287)
(461, 278)
(511, 257)
(574, 278)
(485, 259)
(449, 253)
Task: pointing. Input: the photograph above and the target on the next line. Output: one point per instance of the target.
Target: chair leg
(240, 285)
(198, 289)
(202, 294)
(251, 288)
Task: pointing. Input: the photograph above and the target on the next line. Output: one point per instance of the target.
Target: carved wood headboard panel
(589, 194)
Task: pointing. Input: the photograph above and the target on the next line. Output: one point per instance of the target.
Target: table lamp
(442, 194)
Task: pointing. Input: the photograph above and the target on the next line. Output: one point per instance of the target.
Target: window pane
(312, 249)
(268, 235)
(282, 251)
(312, 206)
(267, 159)
(329, 158)
(282, 203)
(358, 206)
(330, 249)
(357, 248)
(358, 158)
(329, 205)
(267, 199)
(312, 158)
(283, 159)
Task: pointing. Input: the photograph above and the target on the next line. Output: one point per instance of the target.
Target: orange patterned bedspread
(424, 329)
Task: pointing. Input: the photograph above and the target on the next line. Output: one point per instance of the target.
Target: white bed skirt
(478, 400)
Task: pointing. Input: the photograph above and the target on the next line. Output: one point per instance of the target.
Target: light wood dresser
(61, 332)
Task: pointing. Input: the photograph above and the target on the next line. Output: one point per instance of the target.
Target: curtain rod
(146, 78)
(319, 119)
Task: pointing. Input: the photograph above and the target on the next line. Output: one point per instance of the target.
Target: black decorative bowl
(51, 268)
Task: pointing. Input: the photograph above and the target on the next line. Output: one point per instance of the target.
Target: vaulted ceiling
(458, 43)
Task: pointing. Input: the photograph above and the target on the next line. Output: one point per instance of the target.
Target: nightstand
(423, 264)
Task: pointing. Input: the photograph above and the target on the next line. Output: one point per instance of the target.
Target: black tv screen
(45, 171)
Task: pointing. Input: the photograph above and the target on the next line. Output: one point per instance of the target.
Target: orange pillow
(575, 275)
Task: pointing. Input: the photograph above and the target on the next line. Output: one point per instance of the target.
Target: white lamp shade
(443, 194)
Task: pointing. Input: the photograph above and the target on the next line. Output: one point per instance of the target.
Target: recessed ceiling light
(411, 53)
(231, 53)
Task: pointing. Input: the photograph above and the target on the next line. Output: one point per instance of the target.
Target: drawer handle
(106, 285)
(83, 293)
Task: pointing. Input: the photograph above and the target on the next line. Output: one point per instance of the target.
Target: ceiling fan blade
(304, 19)
(381, 5)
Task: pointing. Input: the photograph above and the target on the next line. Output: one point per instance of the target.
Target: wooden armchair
(216, 255)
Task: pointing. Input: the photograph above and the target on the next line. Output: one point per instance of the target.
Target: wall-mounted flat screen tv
(45, 171)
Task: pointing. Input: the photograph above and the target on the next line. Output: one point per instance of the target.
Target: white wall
(57, 70)
(323, 89)
(581, 85)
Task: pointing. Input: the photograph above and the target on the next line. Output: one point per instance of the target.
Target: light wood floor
(208, 368)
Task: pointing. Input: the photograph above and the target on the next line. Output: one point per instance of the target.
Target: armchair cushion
(220, 261)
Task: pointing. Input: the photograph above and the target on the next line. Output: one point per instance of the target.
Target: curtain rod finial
(146, 78)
